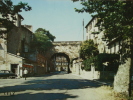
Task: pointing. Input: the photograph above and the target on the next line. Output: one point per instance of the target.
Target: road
(55, 86)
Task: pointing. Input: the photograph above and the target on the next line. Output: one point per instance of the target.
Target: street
(55, 86)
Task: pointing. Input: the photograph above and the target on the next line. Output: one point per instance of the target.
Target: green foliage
(41, 41)
(8, 11)
(87, 64)
(116, 15)
(43, 31)
(88, 49)
(112, 59)
(115, 18)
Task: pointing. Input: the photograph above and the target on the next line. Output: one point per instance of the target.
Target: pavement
(101, 81)
(53, 86)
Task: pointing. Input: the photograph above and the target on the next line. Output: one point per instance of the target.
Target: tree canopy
(41, 42)
(7, 13)
(43, 31)
(88, 49)
(115, 19)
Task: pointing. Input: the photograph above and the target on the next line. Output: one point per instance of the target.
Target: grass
(107, 93)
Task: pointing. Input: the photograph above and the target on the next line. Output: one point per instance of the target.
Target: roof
(20, 16)
(90, 21)
(29, 27)
(26, 28)
(15, 55)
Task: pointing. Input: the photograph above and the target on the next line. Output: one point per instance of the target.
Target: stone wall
(92, 74)
(76, 69)
(15, 38)
(12, 59)
(71, 48)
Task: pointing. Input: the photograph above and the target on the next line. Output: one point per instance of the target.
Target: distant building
(61, 63)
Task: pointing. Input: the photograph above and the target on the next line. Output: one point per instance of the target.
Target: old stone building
(15, 53)
(61, 63)
(18, 43)
(92, 32)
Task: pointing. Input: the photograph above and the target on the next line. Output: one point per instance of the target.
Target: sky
(57, 16)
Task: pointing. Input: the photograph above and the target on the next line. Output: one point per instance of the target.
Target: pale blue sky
(57, 16)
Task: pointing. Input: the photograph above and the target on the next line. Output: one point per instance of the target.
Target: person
(25, 73)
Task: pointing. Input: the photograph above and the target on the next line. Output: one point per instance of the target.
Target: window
(89, 36)
(86, 37)
(25, 48)
(114, 47)
(111, 49)
(19, 23)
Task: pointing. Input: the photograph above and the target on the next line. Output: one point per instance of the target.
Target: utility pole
(83, 29)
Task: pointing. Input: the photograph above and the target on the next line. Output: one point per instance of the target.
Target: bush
(98, 61)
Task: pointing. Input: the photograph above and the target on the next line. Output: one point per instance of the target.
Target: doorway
(14, 68)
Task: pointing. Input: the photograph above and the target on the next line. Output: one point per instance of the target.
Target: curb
(101, 82)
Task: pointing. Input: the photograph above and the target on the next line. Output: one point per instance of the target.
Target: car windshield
(2, 71)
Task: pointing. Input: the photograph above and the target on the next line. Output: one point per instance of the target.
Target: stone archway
(60, 62)
(69, 48)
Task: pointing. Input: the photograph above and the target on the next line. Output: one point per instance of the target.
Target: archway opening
(60, 62)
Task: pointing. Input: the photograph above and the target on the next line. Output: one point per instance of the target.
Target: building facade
(15, 49)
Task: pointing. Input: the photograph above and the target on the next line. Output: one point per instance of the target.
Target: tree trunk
(122, 78)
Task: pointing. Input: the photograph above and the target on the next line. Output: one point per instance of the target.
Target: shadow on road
(38, 96)
(43, 84)
(52, 74)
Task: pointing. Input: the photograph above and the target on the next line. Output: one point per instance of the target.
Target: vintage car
(7, 74)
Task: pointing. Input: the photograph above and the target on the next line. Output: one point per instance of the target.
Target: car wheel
(10, 77)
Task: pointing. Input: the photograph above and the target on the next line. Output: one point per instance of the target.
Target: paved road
(55, 86)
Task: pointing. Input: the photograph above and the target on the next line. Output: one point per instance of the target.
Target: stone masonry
(70, 48)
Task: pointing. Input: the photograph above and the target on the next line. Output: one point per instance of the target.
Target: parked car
(7, 74)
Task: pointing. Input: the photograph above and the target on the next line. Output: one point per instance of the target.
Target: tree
(88, 49)
(41, 41)
(43, 31)
(116, 20)
(8, 12)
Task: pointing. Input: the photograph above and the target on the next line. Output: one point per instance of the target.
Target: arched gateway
(62, 53)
